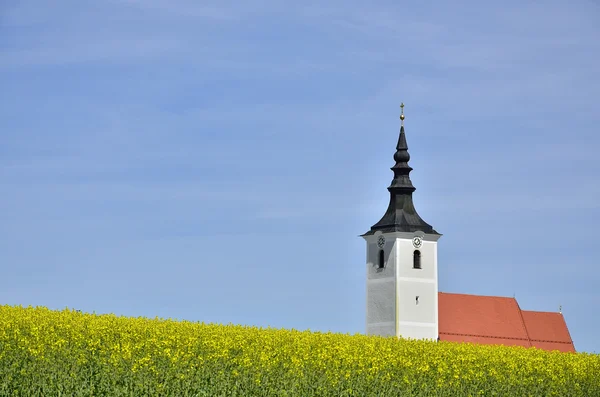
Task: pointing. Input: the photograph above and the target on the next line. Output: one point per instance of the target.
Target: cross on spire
(402, 114)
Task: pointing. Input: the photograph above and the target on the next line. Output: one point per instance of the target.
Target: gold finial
(402, 113)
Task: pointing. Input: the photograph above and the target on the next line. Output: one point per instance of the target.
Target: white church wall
(421, 310)
(418, 331)
(392, 291)
(417, 317)
(381, 289)
(389, 251)
(428, 263)
(381, 307)
(384, 329)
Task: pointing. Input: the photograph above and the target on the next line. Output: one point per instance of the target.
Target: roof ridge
(482, 296)
(523, 323)
(539, 311)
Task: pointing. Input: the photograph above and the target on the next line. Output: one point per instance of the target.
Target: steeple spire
(401, 169)
(401, 215)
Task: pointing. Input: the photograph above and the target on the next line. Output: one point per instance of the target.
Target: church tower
(402, 278)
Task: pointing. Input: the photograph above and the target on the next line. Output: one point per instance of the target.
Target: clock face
(381, 241)
(417, 242)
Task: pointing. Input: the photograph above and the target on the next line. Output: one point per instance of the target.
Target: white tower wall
(392, 291)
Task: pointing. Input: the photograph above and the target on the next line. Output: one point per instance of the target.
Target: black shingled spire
(401, 215)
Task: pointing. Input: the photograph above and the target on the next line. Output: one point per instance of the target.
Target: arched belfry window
(381, 260)
(417, 259)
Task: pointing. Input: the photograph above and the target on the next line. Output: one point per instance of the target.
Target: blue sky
(216, 160)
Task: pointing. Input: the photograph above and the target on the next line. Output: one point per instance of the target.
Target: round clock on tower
(417, 241)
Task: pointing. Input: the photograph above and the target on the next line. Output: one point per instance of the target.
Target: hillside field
(67, 353)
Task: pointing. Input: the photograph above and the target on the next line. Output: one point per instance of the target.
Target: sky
(217, 161)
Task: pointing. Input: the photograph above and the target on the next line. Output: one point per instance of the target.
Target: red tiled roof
(545, 326)
(499, 320)
(561, 347)
(548, 331)
(484, 340)
(474, 315)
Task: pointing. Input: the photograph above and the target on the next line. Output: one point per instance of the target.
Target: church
(403, 298)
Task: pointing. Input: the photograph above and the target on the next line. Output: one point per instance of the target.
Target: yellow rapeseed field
(67, 353)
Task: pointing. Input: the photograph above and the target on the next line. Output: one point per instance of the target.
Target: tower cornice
(432, 237)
